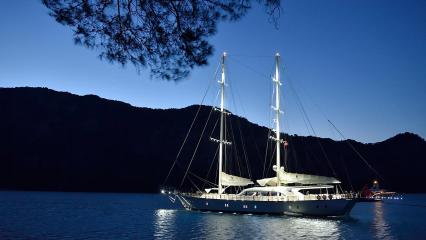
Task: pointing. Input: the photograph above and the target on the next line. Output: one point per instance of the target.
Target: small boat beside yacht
(376, 194)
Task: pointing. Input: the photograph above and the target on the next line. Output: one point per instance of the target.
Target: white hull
(321, 208)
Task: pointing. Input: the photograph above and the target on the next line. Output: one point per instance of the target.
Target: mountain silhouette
(59, 141)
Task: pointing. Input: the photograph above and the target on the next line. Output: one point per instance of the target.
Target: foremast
(222, 113)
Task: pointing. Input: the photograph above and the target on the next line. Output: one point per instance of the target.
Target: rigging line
(266, 153)
(286, 155)
(216, 99)
(304, 118)
(195, 185)
(300, 105)
(269, 127)
(347, 175)
(285, 123)
(196, 148)
(310, 124)
(243, 144)
(193, 174)
(217, 120)
(272, 157)
(256, 146)
(237, 159)
(312, 100)
(190, 128)
(244, 149)
(353, 148)
(230, 131)
(214, 127)
(251, 56)
(201, 179)
(237, 120)
(248, 67)
(293, 156)
(325, 117)
(225, 149)
(341, 189)
(211, 164)
(217, 173)
(232, 150)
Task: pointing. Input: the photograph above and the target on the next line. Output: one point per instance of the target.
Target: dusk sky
(361, 64)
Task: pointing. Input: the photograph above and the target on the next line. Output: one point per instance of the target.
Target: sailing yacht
(285, 193)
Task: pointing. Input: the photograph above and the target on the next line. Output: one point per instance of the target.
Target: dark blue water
(49, 215)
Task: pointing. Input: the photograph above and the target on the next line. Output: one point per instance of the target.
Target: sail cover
(286, 178)
(231, 180)
(267, 181)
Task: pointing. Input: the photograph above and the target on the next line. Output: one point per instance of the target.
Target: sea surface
(57, 215)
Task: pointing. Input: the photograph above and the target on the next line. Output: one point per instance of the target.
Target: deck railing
(236, 197)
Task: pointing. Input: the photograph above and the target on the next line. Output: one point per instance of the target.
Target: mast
(221, 140)
(277, 82)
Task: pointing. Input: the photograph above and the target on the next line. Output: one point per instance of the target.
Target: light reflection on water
(230, 226)
(39, 215)
(382, 228)
(321, 228)
(164, 225)
(368, 221)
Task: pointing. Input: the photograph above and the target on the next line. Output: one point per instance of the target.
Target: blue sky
(361, 64)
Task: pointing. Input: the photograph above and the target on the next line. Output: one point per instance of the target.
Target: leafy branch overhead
(170, 37)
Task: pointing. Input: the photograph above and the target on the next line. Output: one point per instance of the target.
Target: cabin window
(310, 191)
(250, 193)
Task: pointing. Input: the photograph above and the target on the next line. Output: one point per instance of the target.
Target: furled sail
(267, 181)
(288, 178)
(231, 180)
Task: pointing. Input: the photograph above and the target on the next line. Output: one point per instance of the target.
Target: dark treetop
(171, 37)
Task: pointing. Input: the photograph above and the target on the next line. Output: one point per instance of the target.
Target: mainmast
(277, 82)
(222, 113)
